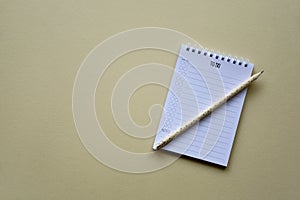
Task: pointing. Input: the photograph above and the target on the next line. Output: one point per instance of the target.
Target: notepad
(201, 78)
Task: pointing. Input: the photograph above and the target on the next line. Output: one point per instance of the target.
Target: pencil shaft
(206, 112)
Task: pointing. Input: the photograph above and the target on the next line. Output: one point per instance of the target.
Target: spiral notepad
(201, 78)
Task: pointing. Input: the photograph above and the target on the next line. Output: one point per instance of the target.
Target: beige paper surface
(43, 44)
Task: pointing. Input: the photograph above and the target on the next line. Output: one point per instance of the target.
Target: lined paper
(201, 78)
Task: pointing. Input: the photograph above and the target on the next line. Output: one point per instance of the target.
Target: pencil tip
(154, 147)
(262, 71)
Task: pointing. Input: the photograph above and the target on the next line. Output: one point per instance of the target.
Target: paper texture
(200, 79)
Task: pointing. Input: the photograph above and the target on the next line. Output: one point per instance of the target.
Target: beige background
(42, 46)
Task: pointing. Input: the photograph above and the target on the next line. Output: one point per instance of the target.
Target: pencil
(206, 112)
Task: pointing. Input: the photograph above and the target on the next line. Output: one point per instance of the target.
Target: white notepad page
(201, 78)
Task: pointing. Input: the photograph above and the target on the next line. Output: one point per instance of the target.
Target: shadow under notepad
(185, 157)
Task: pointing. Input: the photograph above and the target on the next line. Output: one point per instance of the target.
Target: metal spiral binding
(218, 56)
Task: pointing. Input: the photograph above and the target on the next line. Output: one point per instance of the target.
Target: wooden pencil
(206, 112)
